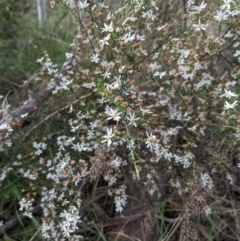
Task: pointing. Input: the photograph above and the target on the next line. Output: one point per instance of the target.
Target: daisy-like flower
(160, 74)
(106, 75)
(221, 15)
(132, 119)
(198, 9)
(152, 141)
(128, 37)
(25, 204)
(198, 27)
(227, 4)
(82, 4)
(229, 94)
(108, 28)
(95, 58)
(108, 137)
(230, 106)
(104, 41)
(113, 114)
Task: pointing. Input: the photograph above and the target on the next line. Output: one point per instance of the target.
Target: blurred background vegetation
(23, 40)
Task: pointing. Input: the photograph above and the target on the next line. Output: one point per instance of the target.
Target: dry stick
(174, 227)
(121, 234)
(169, 220)
(113, 222)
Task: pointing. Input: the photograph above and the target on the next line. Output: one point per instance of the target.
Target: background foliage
(22, 40)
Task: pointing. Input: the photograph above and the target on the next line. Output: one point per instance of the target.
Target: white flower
(198, 9)
(25, 204)
(132, 119)
(68, 55)
(106, 75)
(149, 15)
(94, 58)
(237, 53)
(38, 152)
(228, 35)
(226, 4)
(221, 16)
(104, 41)
(40, 60)
(108, 28)
(140, 37)
(113, 114)
(82, 4)
(206, 181)
(121, 199)
(43, 145)
(101, 5)
(28, 214)
(116, 162)
(131, 144)
(230, 94)
(198, 27)
(128, 37)
(152, 141)
(108, 137)
(207, 210)
(230, 106)
(89, 85)
(160, 74)
(115, 85)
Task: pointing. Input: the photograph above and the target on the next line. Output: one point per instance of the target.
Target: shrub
(143, 114)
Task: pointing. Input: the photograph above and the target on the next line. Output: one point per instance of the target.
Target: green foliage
(23, 41)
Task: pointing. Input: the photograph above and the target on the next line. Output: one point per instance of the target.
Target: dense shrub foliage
(142, 119)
